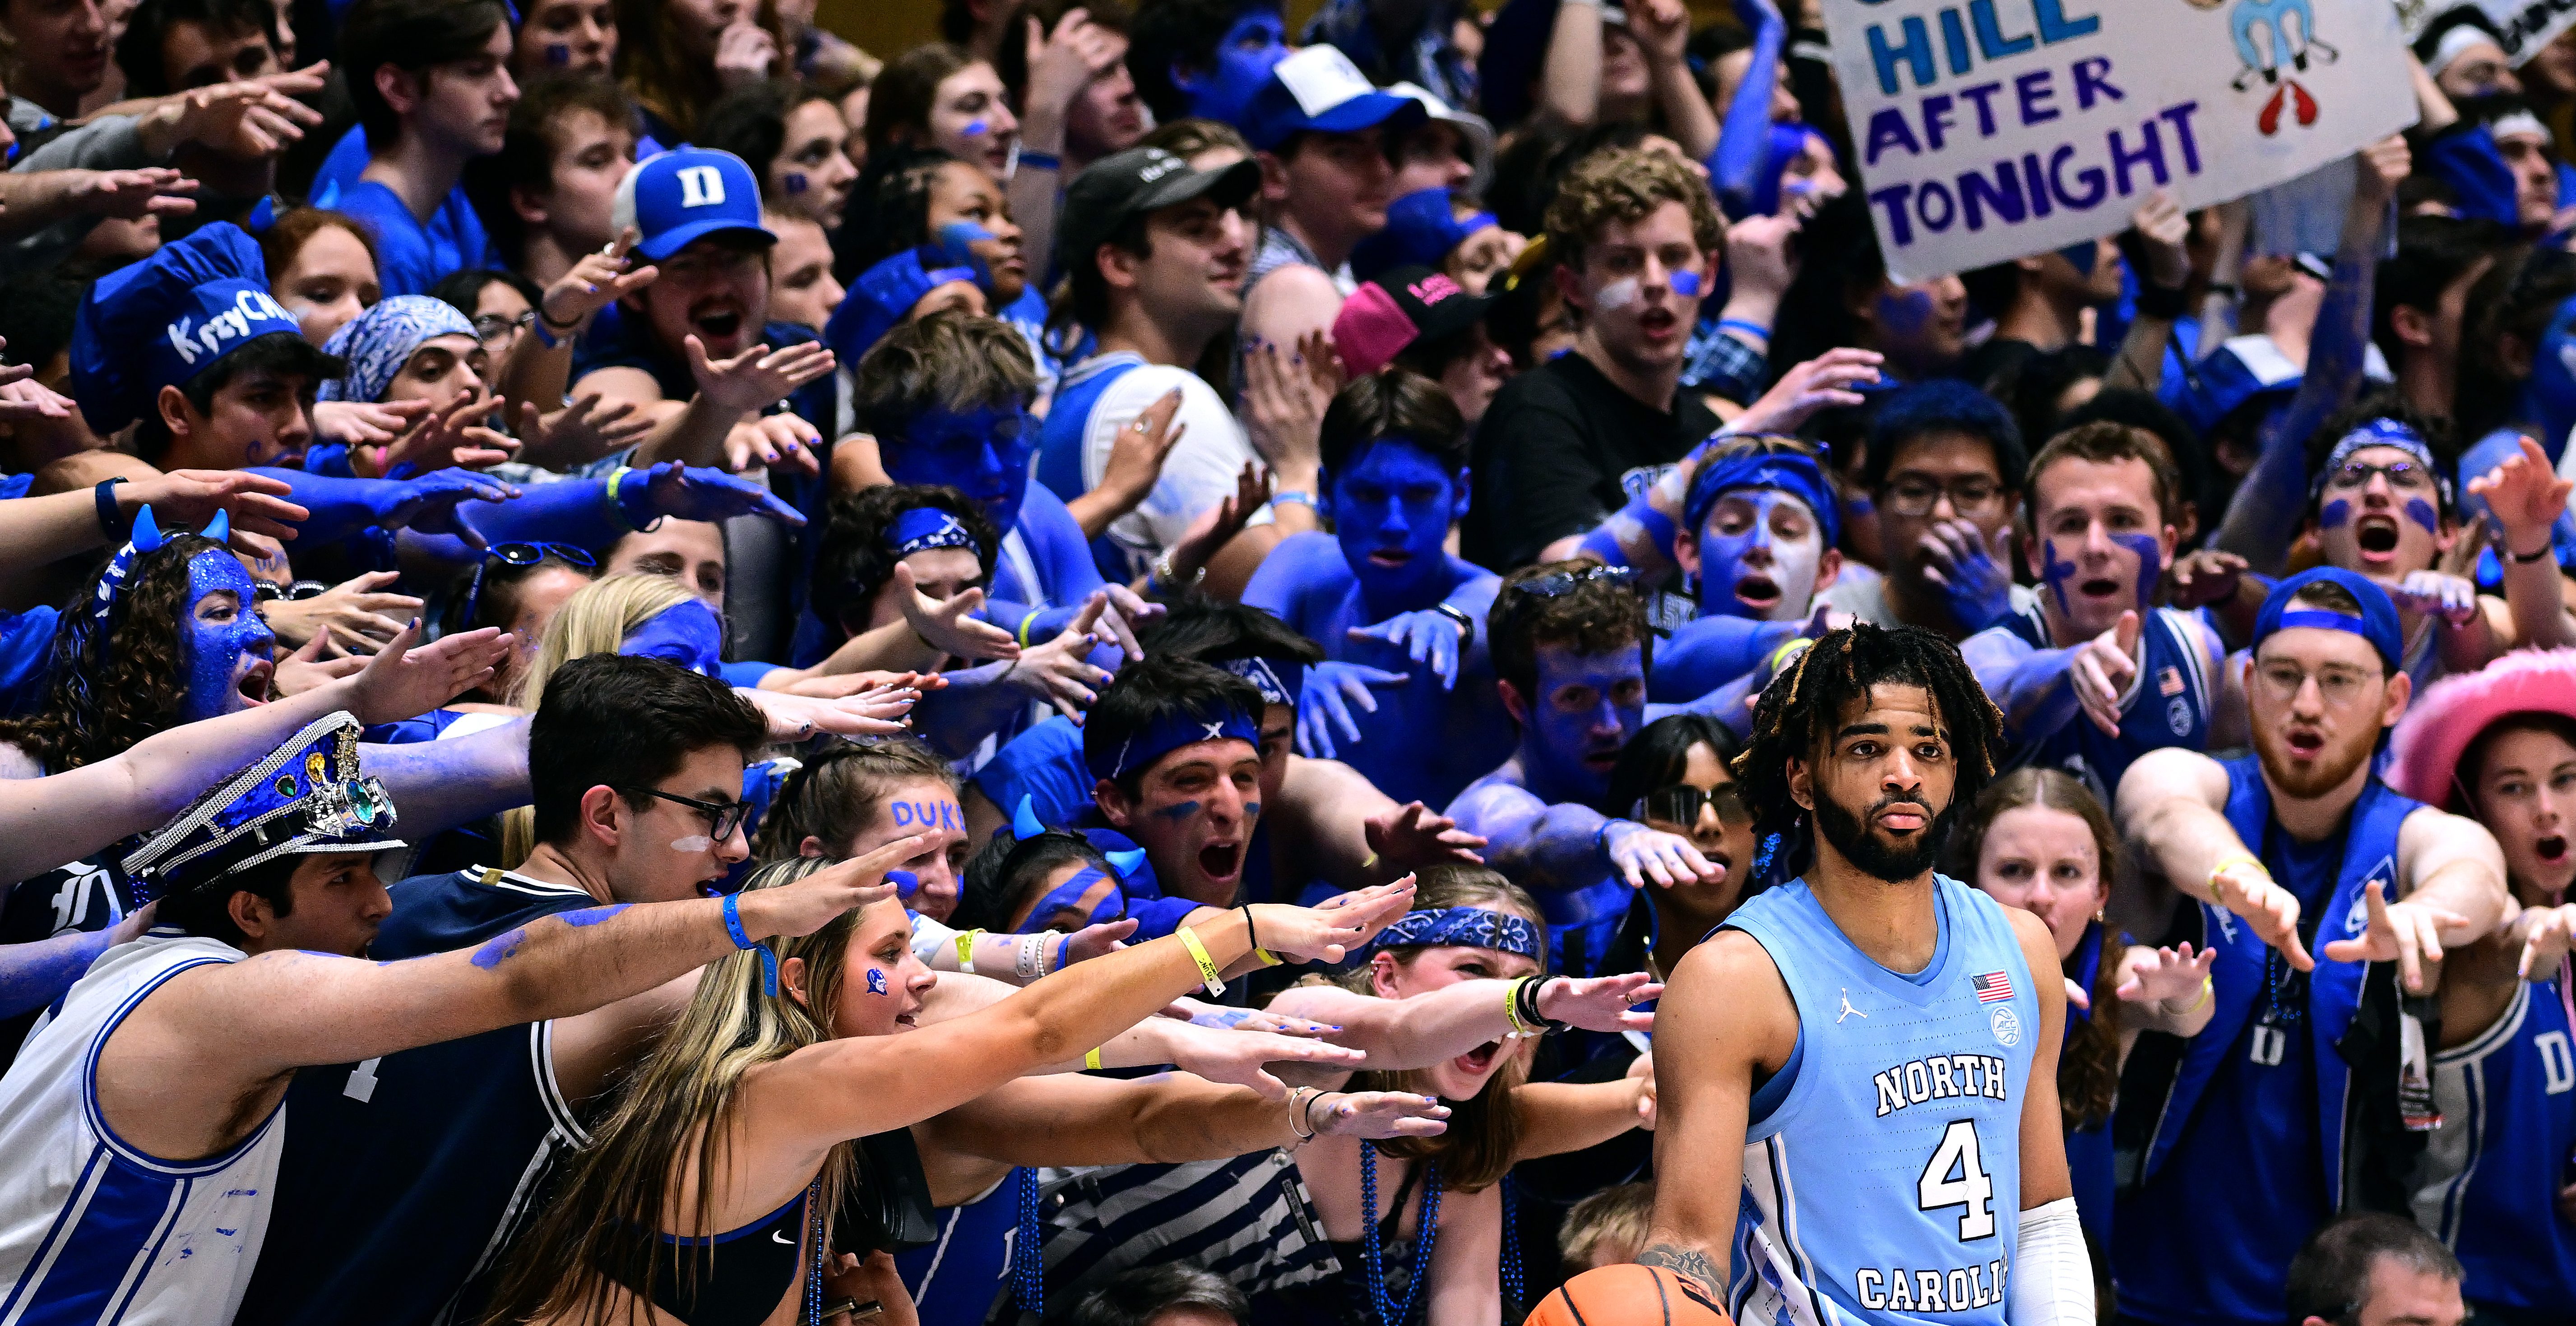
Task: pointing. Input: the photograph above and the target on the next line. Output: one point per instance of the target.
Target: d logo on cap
(700, 186)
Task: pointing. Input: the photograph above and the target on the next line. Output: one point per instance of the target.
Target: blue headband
(378, 342)
(1790, 472)
(1068, 897)
(1464, 927)
(926, 527)
(1280, 680)
(1161, 737)
(2376, 624)
(2381, 432)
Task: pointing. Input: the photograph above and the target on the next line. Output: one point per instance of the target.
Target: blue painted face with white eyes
(225, 650)
(983, 453)
(1391, 513)
(1761, 552)
(1587, 707)
(685, 633)
(1245, 55)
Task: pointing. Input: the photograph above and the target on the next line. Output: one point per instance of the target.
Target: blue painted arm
(1708, 652)
(975, 704)
(2034, 687)
(1744, 141)
(34, 975)
(343, 507)
(1539, 846)
(441, 784)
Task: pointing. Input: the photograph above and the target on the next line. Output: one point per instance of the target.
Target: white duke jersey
(92, 1231)
(1882, 1165)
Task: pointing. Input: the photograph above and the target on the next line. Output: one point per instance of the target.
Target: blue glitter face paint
(686, 633)
(983, 452)
(1088, 897)
(1775, 586)
(2056, 572)
(1686, 284)
(220, 625)
(2422, 513)
(1391, 515)
(876, 981)
(1587, 707)
(2151, 564)
(1245, 55)
(500, 947)
(2338, 513)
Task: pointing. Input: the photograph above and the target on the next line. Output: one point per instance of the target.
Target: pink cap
(2424, 756)
(1371, 330)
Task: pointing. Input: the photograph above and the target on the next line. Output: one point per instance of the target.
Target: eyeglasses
(727, 816)
(522, 556)
(2341, 685)
(1968, 497)
(1558, 583)
(1681, 804)
(269, 591)
(490, 327)
(2404, 475)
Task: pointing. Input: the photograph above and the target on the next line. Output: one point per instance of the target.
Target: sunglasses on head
(521, 556)
(269, 591)
(1555, 584)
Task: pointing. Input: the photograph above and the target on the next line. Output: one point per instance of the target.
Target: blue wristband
(1063, 947)
(768, 960)
(109, 522)
(1041, 160)
(1744, 325)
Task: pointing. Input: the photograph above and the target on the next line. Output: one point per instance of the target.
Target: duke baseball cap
(1133, 182)
(679, 197)
(1319, 89)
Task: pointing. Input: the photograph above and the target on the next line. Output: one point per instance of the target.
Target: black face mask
(1851, 837)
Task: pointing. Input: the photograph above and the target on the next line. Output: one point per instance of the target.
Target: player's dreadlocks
(1790, 721)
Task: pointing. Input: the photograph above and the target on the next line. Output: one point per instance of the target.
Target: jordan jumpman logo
(1848, 1010)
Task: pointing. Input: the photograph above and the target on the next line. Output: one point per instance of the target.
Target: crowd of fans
(1094, 672)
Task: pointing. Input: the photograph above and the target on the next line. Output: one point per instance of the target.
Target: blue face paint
(795, 181)
(499, 947)
(558, 54)
(1251, 810)
(2056, 572)
(211, 652)
(1093, 897)
(1686, 284)
(983, 453)
(1789, 566)
(1587, 707)
(2081, 256)
(876, 981)
(928, 815)
(905, 883)
(975, 129)
(590, 916)
(1391, 514)
(686, 633)
(2338, 513)
(1906, 312)
(2422, 513)
(1245, 55)
(1179, 811)
(2151, 565)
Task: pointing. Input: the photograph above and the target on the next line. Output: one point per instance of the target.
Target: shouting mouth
(1480, 1060)
(718, 324)
(254, 683)
(1221, 861)
(2100, 587)
(2306, 744)
(2552, 849)
(1758, 592)
(2377, 537)
(1659, 324)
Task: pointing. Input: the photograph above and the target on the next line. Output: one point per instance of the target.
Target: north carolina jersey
(91, 1229)
(2508, 1102)
(2168, 703)
(1885, 1184)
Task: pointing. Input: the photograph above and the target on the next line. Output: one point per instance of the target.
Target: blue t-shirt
(26, 648)
(412, 256)
(340, 170)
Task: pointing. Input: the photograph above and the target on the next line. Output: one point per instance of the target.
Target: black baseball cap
(1394, 309)
(1138, 180)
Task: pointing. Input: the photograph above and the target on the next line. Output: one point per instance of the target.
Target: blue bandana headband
(1464, 927)
(1787, 471)
(1280, 680)
(1162, 737)
(2380, 433)
(926, 527)
(381, 340)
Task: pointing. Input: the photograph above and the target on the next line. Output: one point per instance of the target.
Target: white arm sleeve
(929, 937)
(2052, 1275)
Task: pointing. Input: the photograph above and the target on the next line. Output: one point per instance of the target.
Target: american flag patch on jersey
(1991, 987)
(2169, 681)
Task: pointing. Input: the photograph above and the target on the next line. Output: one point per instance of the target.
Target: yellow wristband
(1024, 627)
(1091, 1060)
(2238, 860)
(1268, 958)
(1511, 1006)
(1209, 978)
(2208, 991)
(966, 951)
(1789, 649)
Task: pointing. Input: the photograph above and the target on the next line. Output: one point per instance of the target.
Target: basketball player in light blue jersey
(2308, 1094)
(1858, 1071)
(2092, 675)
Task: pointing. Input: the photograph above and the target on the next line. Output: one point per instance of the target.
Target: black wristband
(1527, 997)
(2526, 559)
(2155, 301)
(110, 523)
(1466, 624)
(1250, 931)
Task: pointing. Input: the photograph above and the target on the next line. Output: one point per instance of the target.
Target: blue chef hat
(306, 797)
(883, 297)
(168, 318)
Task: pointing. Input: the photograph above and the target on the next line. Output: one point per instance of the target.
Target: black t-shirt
(1559, 450)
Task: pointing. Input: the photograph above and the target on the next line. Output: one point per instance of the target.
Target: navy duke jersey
(1882, 1164)
(2508, 1135)
(405, 1175)
(2168, 704)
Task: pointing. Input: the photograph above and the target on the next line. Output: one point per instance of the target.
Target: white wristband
(2052, 1275)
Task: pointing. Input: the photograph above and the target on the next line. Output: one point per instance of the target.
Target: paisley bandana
(381, 340)
(926, 527)
(1464, 927)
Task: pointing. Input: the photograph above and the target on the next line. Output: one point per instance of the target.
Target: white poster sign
(1994, 129)
(2522, 26)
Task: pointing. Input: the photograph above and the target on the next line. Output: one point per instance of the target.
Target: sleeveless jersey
(410, 1173)
(91, 1229)
(967, 1271)
(1885, 1185)
(2508, 1102)
(2168, 706)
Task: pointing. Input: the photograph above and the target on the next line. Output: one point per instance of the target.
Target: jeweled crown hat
(308, 796)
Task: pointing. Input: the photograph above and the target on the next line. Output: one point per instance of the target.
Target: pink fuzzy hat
(2439, 726)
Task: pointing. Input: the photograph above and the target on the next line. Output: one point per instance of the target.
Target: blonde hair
(680, 1107)
(1612, 1222)
(595, 620)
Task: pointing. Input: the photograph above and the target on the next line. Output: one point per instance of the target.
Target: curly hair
(116, 684)
(1797, 710)
(1627, 185)
(857, 556)
(1593, 616)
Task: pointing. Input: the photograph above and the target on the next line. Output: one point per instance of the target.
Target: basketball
(1627, 1296)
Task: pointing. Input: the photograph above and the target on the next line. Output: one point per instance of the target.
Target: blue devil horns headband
(1025, 828)
(147, 537)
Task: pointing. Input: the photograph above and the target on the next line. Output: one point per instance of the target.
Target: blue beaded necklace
(1388, 1313)
(814, 1235)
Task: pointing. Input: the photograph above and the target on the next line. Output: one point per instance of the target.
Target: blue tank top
(2170, 707)
(2506, 1145)
(1885, 1186)
(961, 1276)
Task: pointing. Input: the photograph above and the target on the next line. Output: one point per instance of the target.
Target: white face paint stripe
(1617, 294)
(696, 842)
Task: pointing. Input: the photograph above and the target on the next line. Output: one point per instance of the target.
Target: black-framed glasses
(1680, 804)
(521, 556)
(269, 591)
(1917, 497)
(2403, 475)
(490, 327)
(727, 816)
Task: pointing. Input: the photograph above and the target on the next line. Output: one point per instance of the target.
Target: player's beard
(1851, 836)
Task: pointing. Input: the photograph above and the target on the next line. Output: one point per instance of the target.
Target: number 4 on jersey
(1971, 1189)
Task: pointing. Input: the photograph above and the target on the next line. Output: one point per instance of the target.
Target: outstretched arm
(1570, 846)
(441, 784)
(1416, 1032)
(1161, 1121)
(1744, 144)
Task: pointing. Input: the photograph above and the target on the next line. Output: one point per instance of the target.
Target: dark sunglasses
(727, 815)
(522, 556)
(1681, 805)
(1558, 583)
(269, 591)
